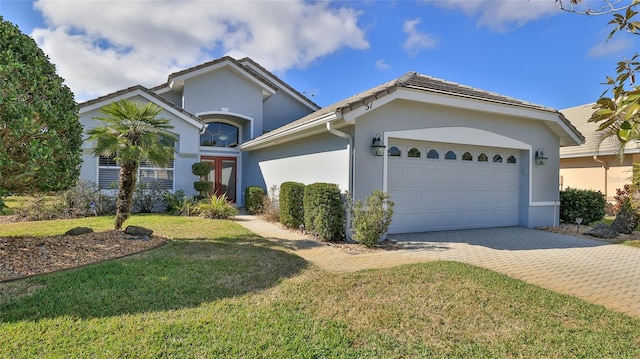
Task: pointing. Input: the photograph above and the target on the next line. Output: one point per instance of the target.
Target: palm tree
(132, 133)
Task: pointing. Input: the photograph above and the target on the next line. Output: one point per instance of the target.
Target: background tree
(40, 135)
(132, 133)
(618, 108)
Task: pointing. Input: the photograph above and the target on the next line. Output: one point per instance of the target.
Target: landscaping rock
(139, 232)
(626, 221)
(601, 230)
(78, 231)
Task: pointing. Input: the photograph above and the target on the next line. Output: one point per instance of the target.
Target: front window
(218, 134)
(108, 172)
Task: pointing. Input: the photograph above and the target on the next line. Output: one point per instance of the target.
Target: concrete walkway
(596, 271)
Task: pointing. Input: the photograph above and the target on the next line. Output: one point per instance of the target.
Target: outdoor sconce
(377, 147)
(540, 158)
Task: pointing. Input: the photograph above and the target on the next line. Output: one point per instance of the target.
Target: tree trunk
(128, 174)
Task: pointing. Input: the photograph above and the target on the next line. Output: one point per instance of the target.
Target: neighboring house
(595, 165)
(214, 107)
(455, 156)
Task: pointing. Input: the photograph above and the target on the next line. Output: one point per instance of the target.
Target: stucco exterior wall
(173, 97)
(321, 158)
(224, 88)
(407, 115)
(280, 109)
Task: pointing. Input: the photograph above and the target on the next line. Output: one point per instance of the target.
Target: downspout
(606, 175)
(351, 151)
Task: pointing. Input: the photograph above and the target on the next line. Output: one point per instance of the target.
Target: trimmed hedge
(203, 187)
(580, 203)
(291, 204)
(200, 169)
(323, 210)
(253, 199)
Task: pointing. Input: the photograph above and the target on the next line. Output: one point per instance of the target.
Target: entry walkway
(596, 271)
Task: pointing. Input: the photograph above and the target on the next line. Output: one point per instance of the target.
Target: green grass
(13, 203)
(220, 291)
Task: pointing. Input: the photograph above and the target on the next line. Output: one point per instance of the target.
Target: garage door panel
(441, 194)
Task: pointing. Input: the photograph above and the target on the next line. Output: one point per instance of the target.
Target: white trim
(458, 135)
(267, 140)
(179, 80)
(544, 204)
(146, 96)
(228, 114)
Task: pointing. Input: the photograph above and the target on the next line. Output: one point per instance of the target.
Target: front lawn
(220, 291)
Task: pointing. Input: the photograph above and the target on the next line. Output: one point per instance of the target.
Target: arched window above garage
(414, 153)
(483, 157)
(433, 154)
(450, 155)
(497, 158)
(394, 152)
(511, 159)
(467, 156)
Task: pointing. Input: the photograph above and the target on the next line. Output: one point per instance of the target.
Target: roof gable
(256, 67)
(145, 93)
(594, 144)
(176, 80)
(417, 87)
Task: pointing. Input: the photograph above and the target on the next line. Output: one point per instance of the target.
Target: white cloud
(382, 65)
(416, 40)
(102, 46)
(611, 47)
(502, 15)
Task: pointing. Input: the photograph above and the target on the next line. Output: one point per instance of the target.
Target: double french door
(223, 175)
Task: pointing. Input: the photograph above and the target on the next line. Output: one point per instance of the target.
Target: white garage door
(438, 186)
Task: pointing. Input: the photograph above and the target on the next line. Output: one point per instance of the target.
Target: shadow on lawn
(181, 274)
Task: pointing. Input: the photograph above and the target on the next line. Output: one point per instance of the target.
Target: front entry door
(223, 175)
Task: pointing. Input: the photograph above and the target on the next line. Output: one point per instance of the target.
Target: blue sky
(331, 50)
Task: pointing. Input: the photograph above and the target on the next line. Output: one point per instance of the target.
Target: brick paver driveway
(596, 271)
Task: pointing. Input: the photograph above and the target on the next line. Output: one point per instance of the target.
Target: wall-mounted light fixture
(539, 157)
(377, 146)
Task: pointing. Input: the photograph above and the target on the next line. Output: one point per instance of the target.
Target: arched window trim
(467, 156)
(205, 142)
(394, 155)
(497, 158)
(482, 157)
(448, 157)
(414, 153)
(430, 153)
(512, 159)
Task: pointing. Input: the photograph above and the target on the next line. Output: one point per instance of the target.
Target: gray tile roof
(594, 144)
(277, 79)
(416, 81)
(143, 89)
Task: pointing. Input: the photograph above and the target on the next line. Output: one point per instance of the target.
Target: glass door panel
(228, 179)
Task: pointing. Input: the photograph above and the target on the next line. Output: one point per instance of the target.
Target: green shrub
(291, 204)
(2, 205)
(203, 186)
(200, 169)
(370, 219)
(173, 200)
(216, 208)
(579, 203)
(149, 198)
(253, 198)
(323, 210)
(187, 207)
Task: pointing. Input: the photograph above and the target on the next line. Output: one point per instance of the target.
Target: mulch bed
(28, 256)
